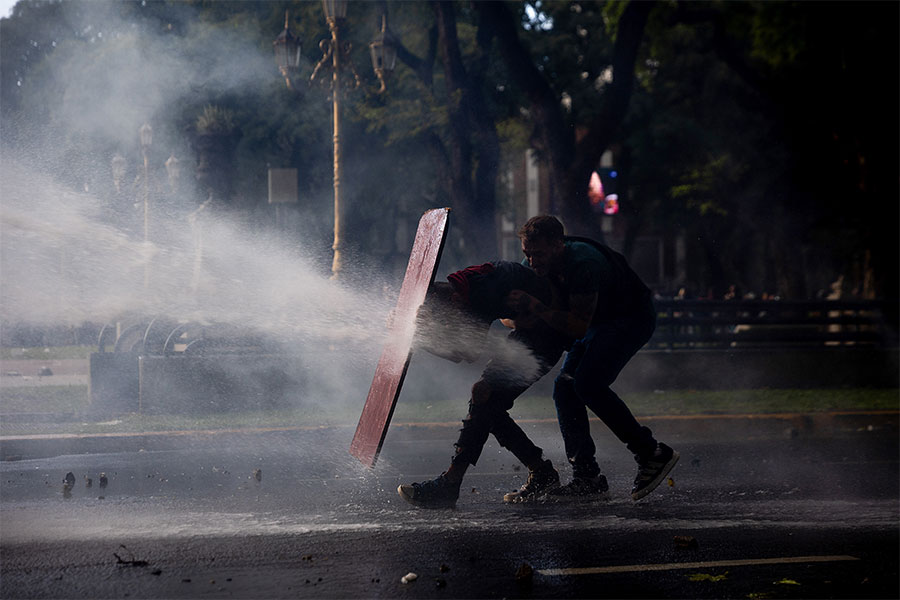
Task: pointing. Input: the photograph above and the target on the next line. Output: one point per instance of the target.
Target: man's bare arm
(573, 322)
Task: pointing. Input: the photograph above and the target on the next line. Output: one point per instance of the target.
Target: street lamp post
(118, 171)
(173, 170)
(335, 13)
(287, 56)
(146, 135)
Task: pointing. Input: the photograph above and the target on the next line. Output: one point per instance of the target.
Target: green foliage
(728, 128)
(701, 188)
(612, 12)
(779, 32)
(575, 53)
(215, 120)
(754, 124)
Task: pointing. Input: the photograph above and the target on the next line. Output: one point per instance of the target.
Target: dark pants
(593, 363)
(494, 394)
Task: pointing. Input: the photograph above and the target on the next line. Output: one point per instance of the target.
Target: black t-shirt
(590, 267)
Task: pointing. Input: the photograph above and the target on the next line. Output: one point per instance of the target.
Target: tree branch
(616, 96)
(553, 137)
(423, 67)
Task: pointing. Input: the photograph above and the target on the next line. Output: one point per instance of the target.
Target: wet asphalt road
(774, 513)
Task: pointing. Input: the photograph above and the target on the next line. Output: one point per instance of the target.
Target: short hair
(542, 227)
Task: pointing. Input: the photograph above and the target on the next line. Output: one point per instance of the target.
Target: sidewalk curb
(747, 426)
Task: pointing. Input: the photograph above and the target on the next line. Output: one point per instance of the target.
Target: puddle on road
(152, 518)
(218, 494)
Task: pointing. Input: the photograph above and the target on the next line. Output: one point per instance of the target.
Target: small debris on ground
(686, 541)
(671, 482)
(130, 562)
(409, 577)
(525, 579)
(45, 372)
(524, 573)
(257, 474)
(708, 577)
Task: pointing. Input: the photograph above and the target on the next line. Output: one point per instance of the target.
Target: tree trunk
(570, 165)
(473, 146)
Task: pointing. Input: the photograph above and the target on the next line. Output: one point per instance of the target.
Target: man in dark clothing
(610, 315)
(452, 323)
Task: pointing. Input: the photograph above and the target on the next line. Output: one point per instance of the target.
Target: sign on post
(282, 186)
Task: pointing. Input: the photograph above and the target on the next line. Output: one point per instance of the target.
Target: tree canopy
(764, 133)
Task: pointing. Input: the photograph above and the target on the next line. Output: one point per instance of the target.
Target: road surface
(759, 512)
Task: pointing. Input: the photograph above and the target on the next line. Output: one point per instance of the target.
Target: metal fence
(759, 324)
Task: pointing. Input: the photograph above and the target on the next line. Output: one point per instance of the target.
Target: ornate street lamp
(173, 170)
(287, 52)
(118, 171)
(146, 135)
(287, 56)
(384, 53)
(335, 10)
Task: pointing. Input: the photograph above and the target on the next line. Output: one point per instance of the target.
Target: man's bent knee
(564, 388)
(587, 387)
(481, 392)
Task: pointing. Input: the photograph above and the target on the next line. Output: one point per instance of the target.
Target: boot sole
(514, 498)
(419, 503)
(569, 498)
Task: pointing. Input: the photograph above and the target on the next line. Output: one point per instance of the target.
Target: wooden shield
(391, 369)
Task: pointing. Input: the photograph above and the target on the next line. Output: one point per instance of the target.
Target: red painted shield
(385, 389)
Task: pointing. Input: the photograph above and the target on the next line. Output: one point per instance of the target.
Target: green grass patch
(49, 353)
(43, 399)
(716, 402)
(761, 401)
(74, 399)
